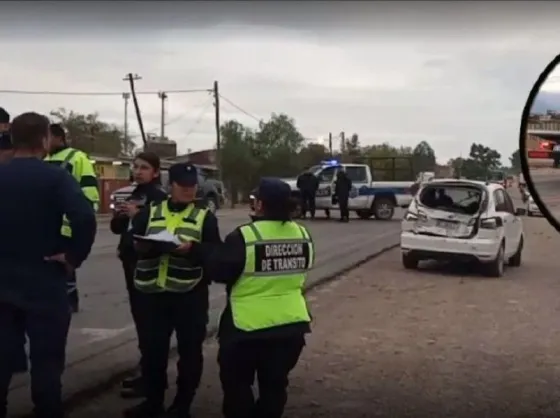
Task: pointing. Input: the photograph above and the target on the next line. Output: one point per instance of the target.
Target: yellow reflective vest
(269, 292)
(79, 165)
(169, 273)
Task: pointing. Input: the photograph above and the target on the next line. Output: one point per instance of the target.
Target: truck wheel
(364, 214)
(383, 208)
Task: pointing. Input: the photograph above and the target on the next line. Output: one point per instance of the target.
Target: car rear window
(452, 198)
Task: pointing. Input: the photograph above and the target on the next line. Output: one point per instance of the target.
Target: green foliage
(277, 148)
(88, 133)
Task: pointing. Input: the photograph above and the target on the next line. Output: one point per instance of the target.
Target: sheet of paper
(164, 236)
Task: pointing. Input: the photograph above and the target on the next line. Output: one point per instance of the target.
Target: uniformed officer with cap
(264, 266)
(173, 292)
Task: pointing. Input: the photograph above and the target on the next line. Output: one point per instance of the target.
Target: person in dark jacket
(173, 293)
(6, 154)
(264, 265)
(35, 197)
(6, 149)
(342, 187)
(308, 184)
(148, 190)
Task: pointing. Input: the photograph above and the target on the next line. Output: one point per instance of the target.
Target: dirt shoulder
(393, 343)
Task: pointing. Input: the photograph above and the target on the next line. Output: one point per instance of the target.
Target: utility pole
(126, 97)
(163, 97)
(131, 78)
(330, 144)
(342, 142)
(216, 93)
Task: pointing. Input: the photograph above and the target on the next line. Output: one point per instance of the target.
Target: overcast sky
(449, 73)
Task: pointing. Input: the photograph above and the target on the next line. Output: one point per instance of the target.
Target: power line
(199, 119)
(96, 93)
(182, 115)
(240, 109)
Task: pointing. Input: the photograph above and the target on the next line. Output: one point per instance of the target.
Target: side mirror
(520, 212)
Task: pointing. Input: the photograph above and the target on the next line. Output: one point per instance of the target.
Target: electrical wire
(97, 93)
(182, 116)
(225, 99)
(199, 118)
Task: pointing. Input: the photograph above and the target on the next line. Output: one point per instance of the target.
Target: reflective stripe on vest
(66, 231)
(269, 292)
(169, 273)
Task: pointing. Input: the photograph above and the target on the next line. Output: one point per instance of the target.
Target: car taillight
(489, 223)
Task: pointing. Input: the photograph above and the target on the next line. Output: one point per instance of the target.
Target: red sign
(538, 154)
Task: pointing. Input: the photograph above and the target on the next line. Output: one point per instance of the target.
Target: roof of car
(466, 182)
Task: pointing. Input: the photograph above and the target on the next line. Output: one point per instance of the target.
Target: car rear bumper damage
(429, 247)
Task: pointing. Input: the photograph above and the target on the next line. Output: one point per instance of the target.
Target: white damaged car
(463, 220)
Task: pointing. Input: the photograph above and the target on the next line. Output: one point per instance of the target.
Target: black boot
(133, 388)
(144, 410)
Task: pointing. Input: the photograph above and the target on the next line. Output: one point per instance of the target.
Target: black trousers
(47, 331)
(129, 266)
(271, 361)
(308, 203)
(343, 205)
(159, 314)
(73, 296)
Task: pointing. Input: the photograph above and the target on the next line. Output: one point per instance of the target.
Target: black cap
(184, 174)
(4, 116)
(273, 191)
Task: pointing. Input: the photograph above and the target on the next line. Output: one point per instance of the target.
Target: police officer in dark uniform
(264, 266)
(308, 184)
(173, 292)
(342, 187)
(148, 190)
(33, 297)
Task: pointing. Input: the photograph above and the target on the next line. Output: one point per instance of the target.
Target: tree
(277, 143)
(237, 158)
(482, 160)
(352, 150)
(424, 157)
(312, 154)
(515, 161)
(88, 133)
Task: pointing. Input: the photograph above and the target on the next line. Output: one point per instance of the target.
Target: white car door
(507, 220)
(358, 176)
(323, 197)
(516, 224)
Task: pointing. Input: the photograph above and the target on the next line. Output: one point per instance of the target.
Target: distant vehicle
(532, 208)
(210, 190)
(369, 197)
(463, 220)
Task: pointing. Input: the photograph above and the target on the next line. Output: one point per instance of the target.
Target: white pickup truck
(367, 198)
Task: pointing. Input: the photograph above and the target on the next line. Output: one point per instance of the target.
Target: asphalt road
(102, 341)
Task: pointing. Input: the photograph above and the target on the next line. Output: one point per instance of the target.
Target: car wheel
(515, 260)
(409, 262)
(496, 267)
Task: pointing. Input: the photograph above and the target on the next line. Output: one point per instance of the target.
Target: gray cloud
(447, 72)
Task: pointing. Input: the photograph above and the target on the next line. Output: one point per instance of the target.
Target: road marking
(100, 334)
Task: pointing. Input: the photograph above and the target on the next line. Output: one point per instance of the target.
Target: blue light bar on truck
(330, 162)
